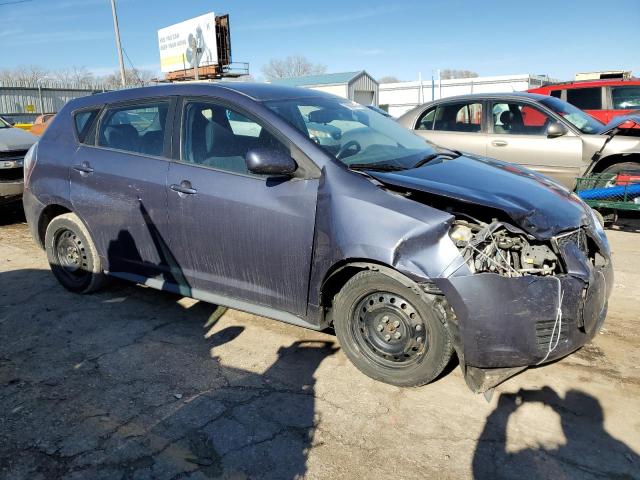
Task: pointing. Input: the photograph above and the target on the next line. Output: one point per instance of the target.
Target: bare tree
(388, 79)
(292, 66)
(76, 75)
(133, 77)
(24, 74)
(449, 73)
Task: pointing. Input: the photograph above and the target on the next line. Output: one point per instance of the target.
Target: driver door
(517, 134)
(236, 234)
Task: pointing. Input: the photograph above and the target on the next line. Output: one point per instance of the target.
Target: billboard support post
(123, 78)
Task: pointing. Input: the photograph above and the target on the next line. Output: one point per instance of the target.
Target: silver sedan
(539, 132)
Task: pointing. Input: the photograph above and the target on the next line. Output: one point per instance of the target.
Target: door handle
(184, 188)
(499, 143)
(84, 168)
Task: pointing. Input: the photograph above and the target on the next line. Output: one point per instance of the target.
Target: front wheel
(72, 255)
(389, 332)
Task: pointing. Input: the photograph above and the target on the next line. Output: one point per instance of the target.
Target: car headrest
(123, 136)
(506, 117)
(217, 136)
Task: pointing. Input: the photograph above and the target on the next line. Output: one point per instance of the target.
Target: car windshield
(579, 119)
(353, 134)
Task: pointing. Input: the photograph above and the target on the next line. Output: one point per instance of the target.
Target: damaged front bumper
(501, 325)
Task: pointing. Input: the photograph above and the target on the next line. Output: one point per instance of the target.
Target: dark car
(14, 144)
(409, 251)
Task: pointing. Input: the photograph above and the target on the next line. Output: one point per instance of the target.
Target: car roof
(599, 82)
(256, 91)
(494, 96)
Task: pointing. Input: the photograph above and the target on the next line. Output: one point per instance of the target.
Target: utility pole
(123, 79)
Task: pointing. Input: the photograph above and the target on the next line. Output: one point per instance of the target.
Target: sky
(400, 38)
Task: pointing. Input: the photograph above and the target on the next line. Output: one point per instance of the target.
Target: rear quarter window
(83, 122)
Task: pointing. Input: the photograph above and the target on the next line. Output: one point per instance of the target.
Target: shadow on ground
(11, 213)
(582, 421)
(131, 387)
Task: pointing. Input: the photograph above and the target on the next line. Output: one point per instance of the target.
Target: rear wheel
(72, 255)
(390, 332)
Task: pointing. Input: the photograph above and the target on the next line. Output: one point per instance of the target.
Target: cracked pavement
(132, 383)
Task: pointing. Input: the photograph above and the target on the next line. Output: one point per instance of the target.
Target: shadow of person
(588, 450)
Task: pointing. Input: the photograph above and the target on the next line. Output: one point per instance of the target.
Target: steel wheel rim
(71, 255)
(389, 330)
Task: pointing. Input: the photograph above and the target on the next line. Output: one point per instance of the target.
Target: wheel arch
(610, 160)
(340, 273)
(48, 213)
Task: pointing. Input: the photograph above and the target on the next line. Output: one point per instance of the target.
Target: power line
(133, 69)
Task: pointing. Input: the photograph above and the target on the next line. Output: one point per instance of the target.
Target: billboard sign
(189, 43)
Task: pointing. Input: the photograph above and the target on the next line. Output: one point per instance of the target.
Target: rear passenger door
(456, 125)
(235, 234)
(118, 186)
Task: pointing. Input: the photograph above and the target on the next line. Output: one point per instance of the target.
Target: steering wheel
(350, 146)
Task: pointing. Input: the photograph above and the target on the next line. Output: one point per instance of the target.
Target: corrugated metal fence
(23, 101)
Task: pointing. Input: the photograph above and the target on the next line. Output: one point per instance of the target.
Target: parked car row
(303, 207)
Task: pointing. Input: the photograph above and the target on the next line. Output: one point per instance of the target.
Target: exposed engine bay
(503, 249)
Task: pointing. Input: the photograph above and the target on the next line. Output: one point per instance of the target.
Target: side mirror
(270, 161)
(556, 129)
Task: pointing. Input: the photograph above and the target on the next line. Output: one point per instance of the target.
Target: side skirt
(261, 310)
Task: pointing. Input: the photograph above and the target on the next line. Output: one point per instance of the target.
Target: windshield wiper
(382, 167)
(433, 156)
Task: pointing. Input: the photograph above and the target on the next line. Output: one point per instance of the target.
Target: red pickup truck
(602, 99)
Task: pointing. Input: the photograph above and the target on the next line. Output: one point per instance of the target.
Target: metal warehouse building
(398, 98)
(357, 86)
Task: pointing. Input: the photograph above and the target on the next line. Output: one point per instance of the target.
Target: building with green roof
(357, 86)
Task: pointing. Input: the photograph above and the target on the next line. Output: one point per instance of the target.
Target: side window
(458, 117)
(425, 122)
(219, 137)
(138, 129)
(585, 98)
(519, 119)
(83, 122)
(626, 98)
(556, 93)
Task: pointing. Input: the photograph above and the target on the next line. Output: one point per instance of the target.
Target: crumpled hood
(15, 139)
(534, 202)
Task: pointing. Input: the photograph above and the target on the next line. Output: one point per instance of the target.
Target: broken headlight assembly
(501, 248)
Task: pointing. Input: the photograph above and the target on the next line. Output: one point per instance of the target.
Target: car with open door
(539, 132)
(223, 193)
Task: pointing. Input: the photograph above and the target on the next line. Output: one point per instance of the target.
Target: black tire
(371, 310)
(72, 255)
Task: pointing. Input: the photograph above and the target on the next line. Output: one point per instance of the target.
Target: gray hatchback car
(222, 193)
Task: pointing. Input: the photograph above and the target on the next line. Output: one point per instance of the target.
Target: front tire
(390, 332)
(72, 254)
